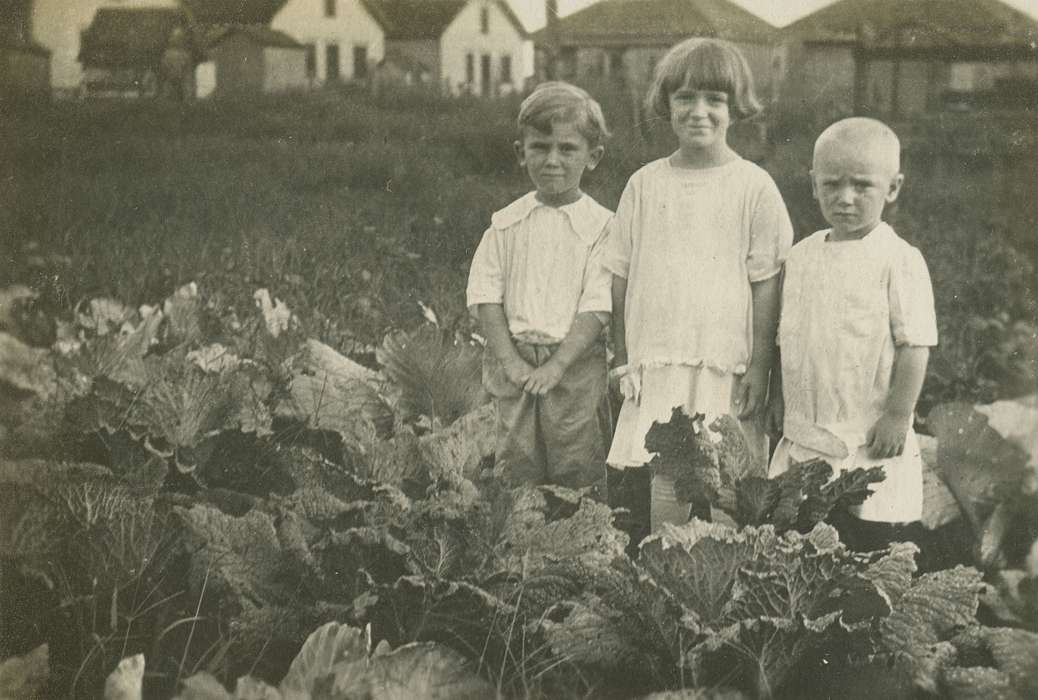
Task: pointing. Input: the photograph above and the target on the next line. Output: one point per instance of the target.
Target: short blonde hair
(862, 134)
(558, 101)
(704, 64)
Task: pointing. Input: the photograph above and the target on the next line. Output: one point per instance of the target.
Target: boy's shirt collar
(880, 231)
(586, 217)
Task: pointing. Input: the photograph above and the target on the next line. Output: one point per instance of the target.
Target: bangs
(704, 64)
(706, 67)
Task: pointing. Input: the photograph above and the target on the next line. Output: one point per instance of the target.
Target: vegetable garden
(228, 490)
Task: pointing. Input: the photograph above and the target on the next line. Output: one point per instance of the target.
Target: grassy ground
(355, 211)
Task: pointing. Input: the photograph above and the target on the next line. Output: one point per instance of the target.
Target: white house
(343, 40)
(57, 25)
(476, 46)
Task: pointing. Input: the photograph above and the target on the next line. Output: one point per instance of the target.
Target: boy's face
(852, 184)
(556, 162)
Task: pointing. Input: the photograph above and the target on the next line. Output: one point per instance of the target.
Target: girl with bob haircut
(695, 251)
(704, 64)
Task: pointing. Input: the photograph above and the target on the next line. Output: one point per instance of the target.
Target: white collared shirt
(543, 264)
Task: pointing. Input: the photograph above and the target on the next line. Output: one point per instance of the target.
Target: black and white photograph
(518, 349)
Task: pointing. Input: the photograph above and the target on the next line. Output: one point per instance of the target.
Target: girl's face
(700, 119)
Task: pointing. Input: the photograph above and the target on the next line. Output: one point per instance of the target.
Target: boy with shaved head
(856, 326)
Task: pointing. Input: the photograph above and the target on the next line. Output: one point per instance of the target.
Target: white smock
(846, 307)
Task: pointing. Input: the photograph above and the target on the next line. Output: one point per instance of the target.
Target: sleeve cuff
(764, 275)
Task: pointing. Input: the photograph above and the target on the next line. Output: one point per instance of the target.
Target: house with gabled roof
(252, 59)
(58, 26)
(468, 46)
(896, 58)
(343, 41)
(24, 63)
(244, 54)
(139, 51)
(622, 40)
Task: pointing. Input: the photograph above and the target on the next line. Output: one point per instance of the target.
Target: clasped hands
(534, 380)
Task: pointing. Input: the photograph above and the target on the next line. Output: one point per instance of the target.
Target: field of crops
(245, 453)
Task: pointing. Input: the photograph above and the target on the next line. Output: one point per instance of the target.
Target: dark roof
(264, 36)
(233, 11)
(403, 61)
(918, 24)
(121, 37)
(424, 19)
(657, 22)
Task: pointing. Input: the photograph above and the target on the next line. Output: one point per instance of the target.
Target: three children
(689, 269)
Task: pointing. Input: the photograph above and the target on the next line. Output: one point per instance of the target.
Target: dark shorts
(560, 438)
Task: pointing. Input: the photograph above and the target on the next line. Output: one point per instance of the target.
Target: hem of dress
(738, 368)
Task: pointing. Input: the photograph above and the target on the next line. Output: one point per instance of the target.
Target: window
(616, 62)
(311, 61)
(484, 20)
(506, 69)
(329, 8)
(360, 62)
(470, 69)
(485, 83)
(331, 59)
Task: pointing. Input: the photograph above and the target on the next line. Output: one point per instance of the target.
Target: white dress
(690, 243)
(846, 307)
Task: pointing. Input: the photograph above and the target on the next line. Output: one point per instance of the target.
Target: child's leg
(629, 489)
(866, 536)
(575, 424)
(666, 506)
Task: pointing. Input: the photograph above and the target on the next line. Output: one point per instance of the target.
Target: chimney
(551, 49)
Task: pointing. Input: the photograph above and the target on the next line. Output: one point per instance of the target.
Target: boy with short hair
(543, 298)
(856, 326)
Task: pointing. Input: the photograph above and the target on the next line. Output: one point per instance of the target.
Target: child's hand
(544, 378)
(626, 382)
(518, 371)
(751, 391)
(886, 438)
(774, 417)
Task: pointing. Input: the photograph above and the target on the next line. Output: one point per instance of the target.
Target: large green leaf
(533, 535)
(126, 682)
(337, 662)
(714, 467)
(979, 466)
(178, 406)
(328, 391)
(436, 375)
(326, 647)
(991, 662)
(729, 606)
(25, 676)
(424, 671)
(236, 561)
